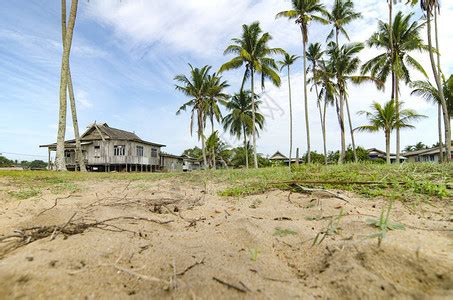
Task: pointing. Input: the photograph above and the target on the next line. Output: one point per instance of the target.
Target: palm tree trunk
(245, 147)
(60, 161)
(441, 91)
(201, 135)
(213, 149)
(255, 158)
(397, 112)
(387, 146)
(290, 121)
(439, 108)
(324, 137)
(439, 124)
(342, 130)
(307, 121)
(351, 130)
(78, 151)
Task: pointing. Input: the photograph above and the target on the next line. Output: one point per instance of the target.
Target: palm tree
(328, 93)
(429, 93)
(239, 122)
(314, 58)
(196, 87)
(60, 161)
(432, 7)
(303, 12)
(78, 149)
(252, 50)
(216, 95)
(396, 58)
(341, 15)
(288, 61)
(345, 63)
(385, 118)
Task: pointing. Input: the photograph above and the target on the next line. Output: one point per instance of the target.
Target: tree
(345, 63)
(432, 7)
(196, 87)
(341, 15)
(243, 118)
(303, 12)
(397, 41)
(315, 60)
(217, 148)
(287, 62)
(253, 51)
(78, 149)
(429, 93)
(60, 161)
(385, 118)
(216, 95)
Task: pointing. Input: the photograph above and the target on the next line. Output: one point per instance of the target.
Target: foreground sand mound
(170, 239)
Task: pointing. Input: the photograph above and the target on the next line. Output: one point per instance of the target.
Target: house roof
(104, 132)
(382, 154)
(429, 151)
(278, 156)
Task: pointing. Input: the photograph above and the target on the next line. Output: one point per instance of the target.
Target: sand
(219, 247)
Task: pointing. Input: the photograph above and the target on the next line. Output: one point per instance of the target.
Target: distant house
(425, 155)
(279, 158)
(175, 163)
(375, 154)
(107, 149)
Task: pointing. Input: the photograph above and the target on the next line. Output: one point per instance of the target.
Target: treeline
(35, 164)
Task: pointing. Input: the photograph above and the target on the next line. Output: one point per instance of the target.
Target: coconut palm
(432, 7)
(345, 63)
(287, 62)
(239, 121)
(396, 59)
(341, 15)
(215, 95)
(60, 162)
(196, 87)
(78, 148)
(314, 58)
(304, 12)
(385, 118)
(429, 92)
(253, 51)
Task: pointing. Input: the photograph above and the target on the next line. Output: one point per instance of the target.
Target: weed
(384, 224)
(253, 254)
(256, 203)
(332, 228)
(282, 232)
(24, 193)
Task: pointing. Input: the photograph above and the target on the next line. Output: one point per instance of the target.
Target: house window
(119, 150)
(97, 150)
(68, 154)
(153, 152)
(140, 151)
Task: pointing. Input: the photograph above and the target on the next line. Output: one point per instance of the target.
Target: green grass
(282, 232)
(420, 182)
(24, 193)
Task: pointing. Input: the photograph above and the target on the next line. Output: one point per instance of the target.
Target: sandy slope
(224, 241)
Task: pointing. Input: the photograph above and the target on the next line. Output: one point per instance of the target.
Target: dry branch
(242, 288)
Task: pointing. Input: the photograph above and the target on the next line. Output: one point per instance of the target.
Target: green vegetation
(282, 232)
(253, 254)
(384, 224)
(25, 193)
(332, 228)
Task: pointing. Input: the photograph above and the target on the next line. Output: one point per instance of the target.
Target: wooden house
(109, 149)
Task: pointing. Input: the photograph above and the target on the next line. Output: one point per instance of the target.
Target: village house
(376, 154)
(425, 155)
(108, 149)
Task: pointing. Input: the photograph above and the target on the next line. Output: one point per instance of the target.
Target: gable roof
(278, 156)
(103, 132)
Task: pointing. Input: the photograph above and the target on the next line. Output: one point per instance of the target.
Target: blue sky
(126, 53)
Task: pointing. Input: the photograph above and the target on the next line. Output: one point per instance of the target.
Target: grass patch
(282, 232)
(25, 193)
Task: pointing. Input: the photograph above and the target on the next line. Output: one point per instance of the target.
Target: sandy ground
(217, 247)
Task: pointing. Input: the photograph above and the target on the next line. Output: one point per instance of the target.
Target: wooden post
(49, 166)
(297, 156)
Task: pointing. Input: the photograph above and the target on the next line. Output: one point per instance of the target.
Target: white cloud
(172, 32)
(82, 99)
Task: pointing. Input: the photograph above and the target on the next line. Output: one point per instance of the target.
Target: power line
(22, 154)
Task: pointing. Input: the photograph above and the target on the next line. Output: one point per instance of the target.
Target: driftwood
(310, 190)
